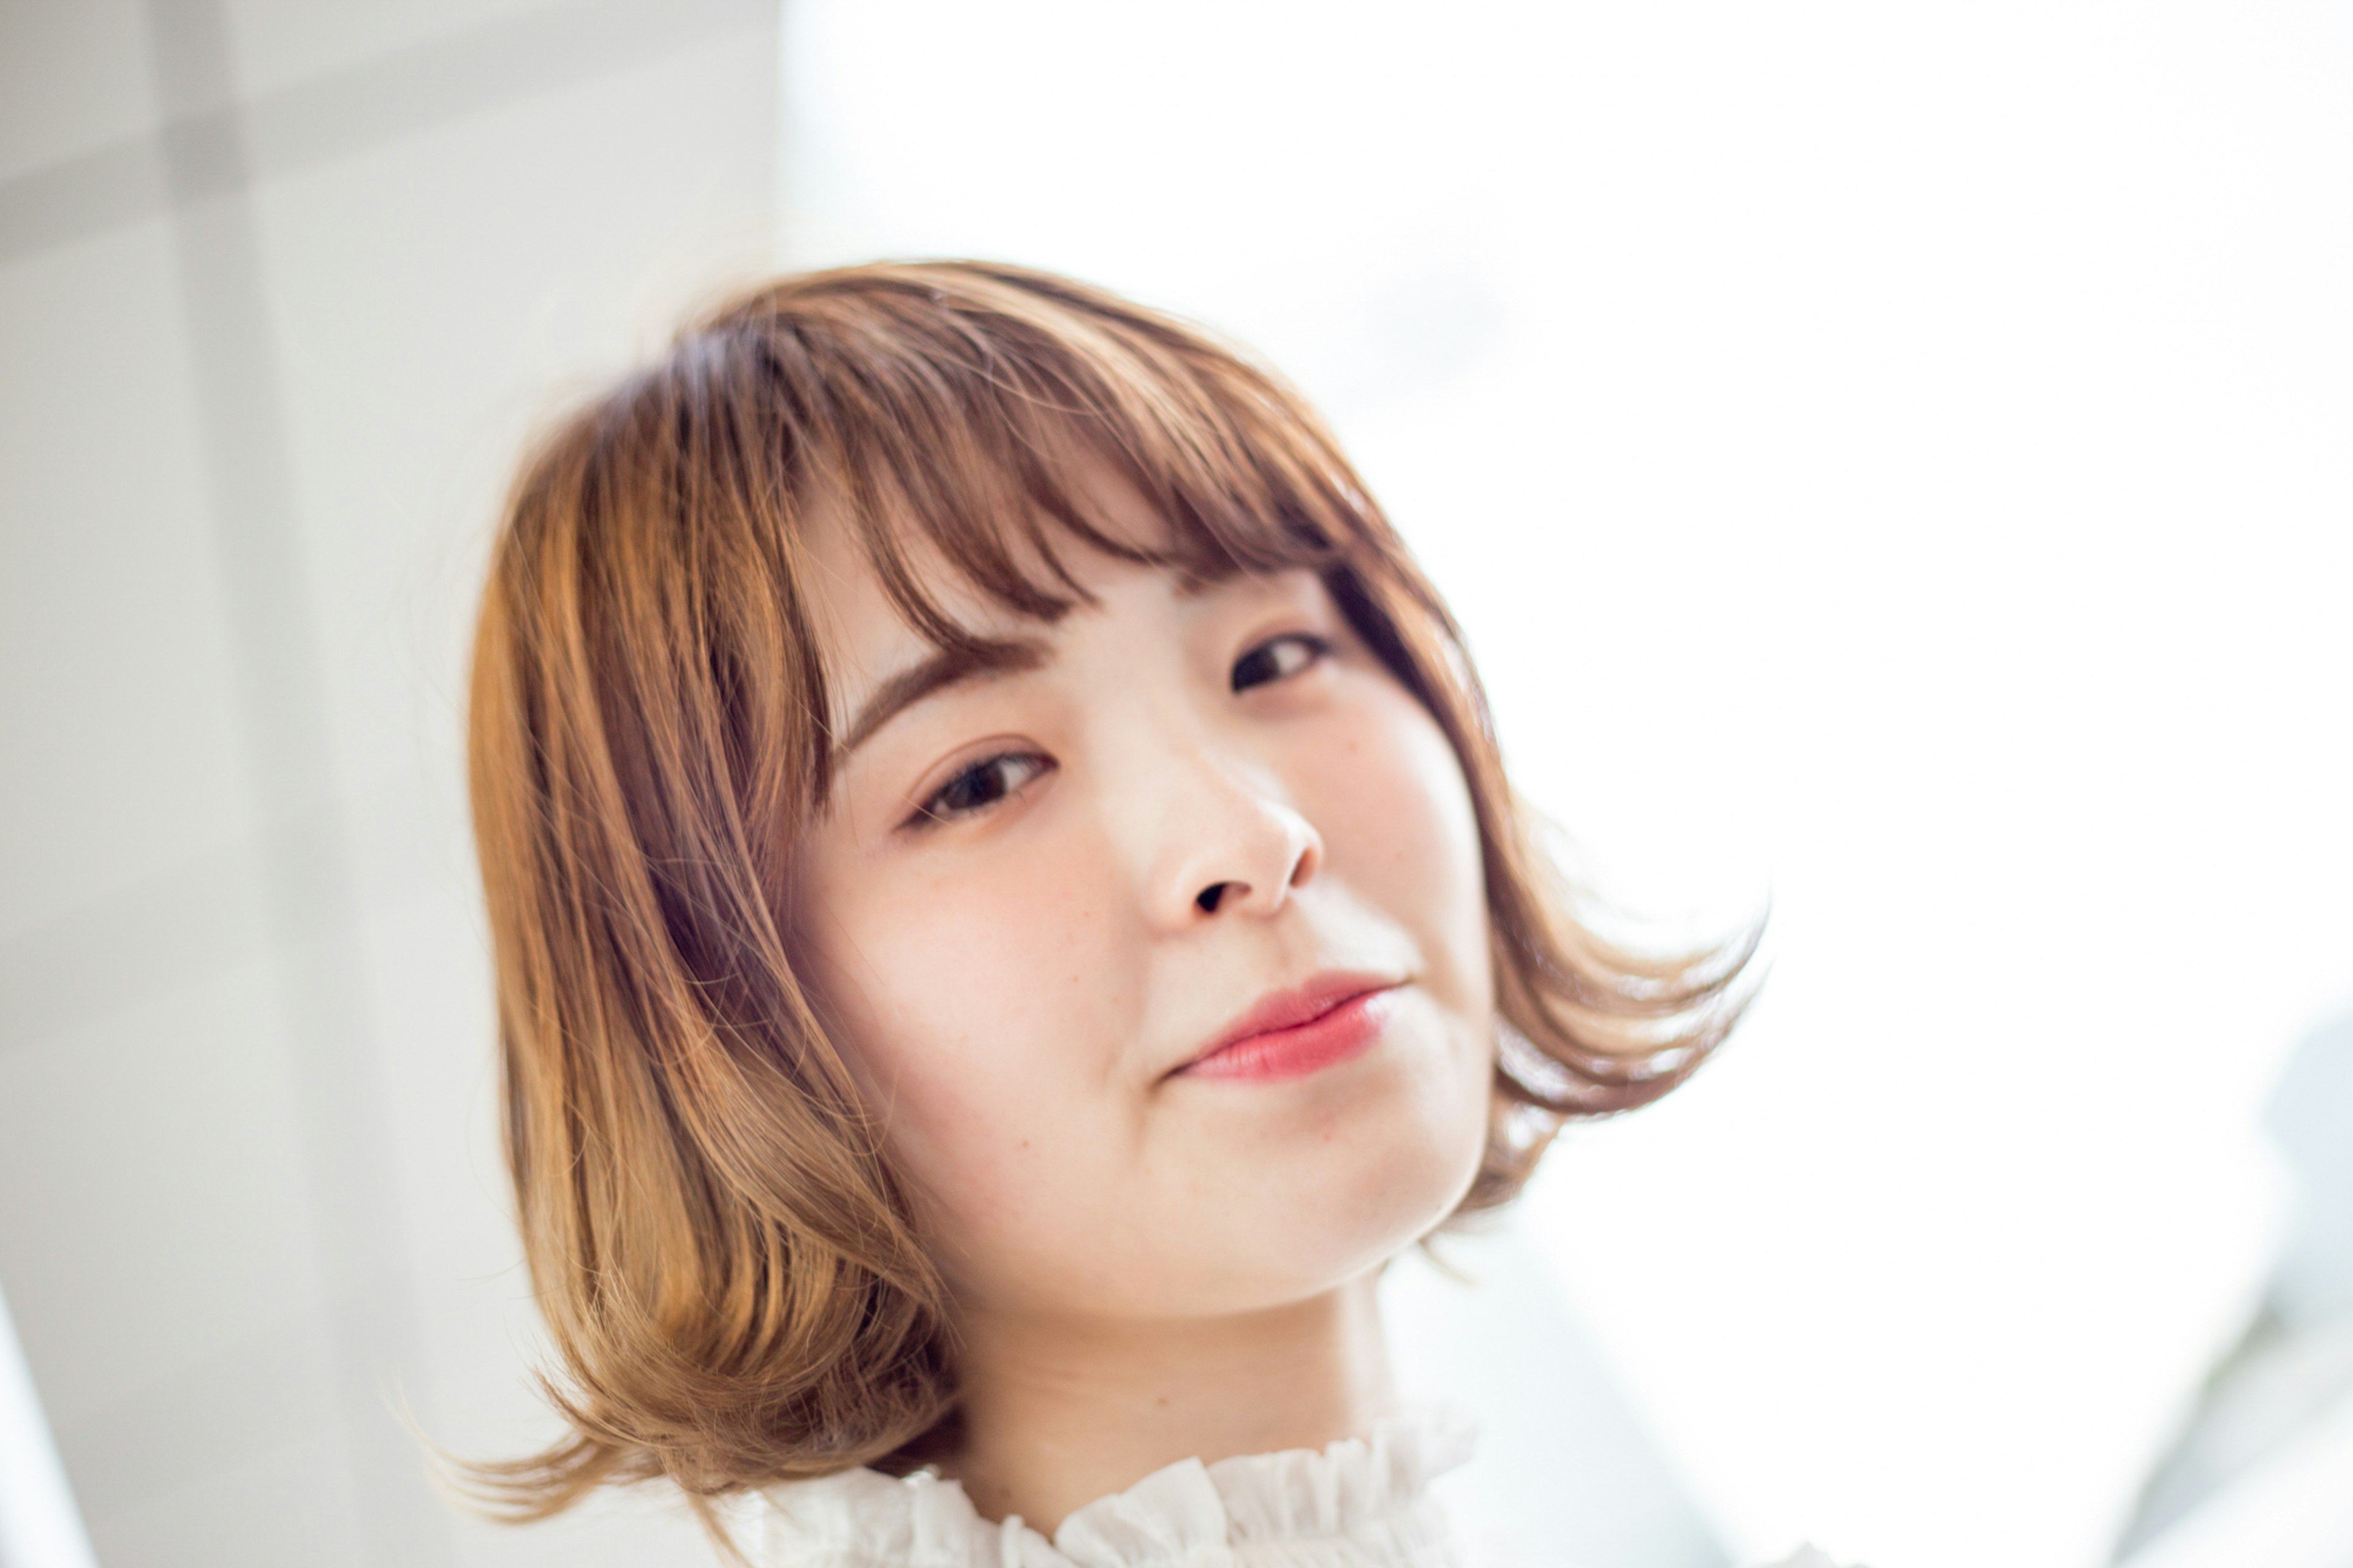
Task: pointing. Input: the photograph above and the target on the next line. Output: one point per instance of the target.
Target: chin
(1263, 1195)
(1356, 1194)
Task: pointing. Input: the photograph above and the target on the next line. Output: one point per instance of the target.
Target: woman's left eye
(1278, 658)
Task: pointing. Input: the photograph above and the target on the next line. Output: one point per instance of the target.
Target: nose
(1228, 842)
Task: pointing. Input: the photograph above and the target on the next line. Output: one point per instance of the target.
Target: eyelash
(1318, 648)
(930, 813)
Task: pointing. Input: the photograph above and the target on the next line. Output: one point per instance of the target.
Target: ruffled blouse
(1356, 1504)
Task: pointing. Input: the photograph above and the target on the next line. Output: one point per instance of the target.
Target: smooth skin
(1037, 892)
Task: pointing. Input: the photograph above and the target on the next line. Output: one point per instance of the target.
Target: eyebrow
(981, 659)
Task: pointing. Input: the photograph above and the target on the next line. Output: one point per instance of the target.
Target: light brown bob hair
(726, 1258)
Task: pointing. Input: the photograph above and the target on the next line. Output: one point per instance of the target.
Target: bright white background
(1894, 460)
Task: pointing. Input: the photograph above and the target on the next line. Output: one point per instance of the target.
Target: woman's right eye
(981, 785)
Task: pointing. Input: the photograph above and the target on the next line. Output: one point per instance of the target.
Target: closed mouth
(1291, 1032)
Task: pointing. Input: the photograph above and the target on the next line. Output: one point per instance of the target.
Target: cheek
(1401, 835)
(966, 1003)
(1399, 830)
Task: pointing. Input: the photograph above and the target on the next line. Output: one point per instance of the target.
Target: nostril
(1211, 896)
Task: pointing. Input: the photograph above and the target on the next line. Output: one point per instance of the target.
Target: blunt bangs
(949, 427)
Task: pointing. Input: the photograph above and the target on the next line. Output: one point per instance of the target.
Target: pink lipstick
(1290, 1034)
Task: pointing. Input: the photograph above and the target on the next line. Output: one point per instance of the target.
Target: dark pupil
(975, 786)
(1256, 667)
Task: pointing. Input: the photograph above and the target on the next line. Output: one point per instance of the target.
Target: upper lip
(1291, 1007)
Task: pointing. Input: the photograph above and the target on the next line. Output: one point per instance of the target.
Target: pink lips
(1290, 1034)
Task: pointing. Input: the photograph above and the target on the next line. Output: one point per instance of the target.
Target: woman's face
(1044, 891)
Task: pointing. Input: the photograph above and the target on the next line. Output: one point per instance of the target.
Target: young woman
(1008, 914)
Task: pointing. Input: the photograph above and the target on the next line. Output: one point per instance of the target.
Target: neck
(1057, 1414)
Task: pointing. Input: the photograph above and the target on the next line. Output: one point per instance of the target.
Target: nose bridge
(1212, 827)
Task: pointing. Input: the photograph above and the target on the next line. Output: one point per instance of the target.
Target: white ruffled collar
(1357, 1502)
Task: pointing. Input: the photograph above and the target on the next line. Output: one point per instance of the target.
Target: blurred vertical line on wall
(373, 1329)
(497, 63)
(39, 1526)
(200, 163)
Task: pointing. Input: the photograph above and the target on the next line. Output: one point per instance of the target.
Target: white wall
(281, 286)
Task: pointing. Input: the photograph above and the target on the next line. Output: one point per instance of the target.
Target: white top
(1358, 1504)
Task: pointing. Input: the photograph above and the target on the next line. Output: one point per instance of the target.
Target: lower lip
(1345, 1032)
